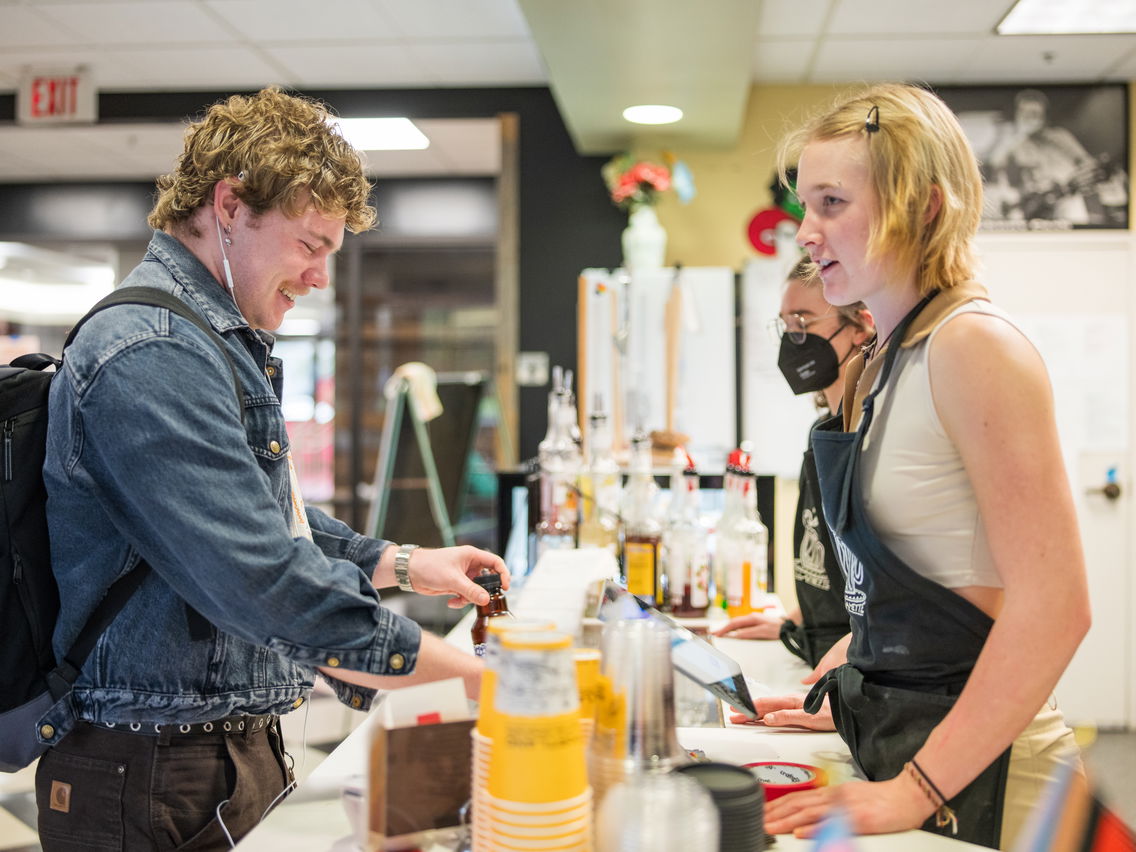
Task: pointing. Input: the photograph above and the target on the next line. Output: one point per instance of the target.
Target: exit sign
(56, 97)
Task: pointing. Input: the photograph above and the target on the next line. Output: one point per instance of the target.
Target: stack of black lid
(740, 801)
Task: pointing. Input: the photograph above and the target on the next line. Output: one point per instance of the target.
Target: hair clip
(872, 125)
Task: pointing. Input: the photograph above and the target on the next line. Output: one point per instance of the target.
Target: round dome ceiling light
(652, 114)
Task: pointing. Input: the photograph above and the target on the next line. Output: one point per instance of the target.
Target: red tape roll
(778, 777)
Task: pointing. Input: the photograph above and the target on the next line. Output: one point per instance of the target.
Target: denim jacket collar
(200, 285)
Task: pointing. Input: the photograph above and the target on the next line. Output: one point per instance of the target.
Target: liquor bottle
(726, 550)
(686, 554)
(497, 607)
(559, 459)
(750, 579)
(599, 486)
(641, 529)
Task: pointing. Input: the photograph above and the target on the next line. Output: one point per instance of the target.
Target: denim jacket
(148, 458)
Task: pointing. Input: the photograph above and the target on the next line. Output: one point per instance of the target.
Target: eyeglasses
(795, 325)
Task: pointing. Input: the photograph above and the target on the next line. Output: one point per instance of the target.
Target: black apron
(914, 642)
(819, 581)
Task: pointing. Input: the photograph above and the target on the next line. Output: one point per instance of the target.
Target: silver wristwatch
(402, 566)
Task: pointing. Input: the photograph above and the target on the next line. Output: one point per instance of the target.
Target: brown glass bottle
(496, 608)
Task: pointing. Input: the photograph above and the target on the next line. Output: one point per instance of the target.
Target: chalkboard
(401, 510)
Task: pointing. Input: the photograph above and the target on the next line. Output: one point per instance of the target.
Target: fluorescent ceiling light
(1069, 17)
(652, 114)
(382, 134)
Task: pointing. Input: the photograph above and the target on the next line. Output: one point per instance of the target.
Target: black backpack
(31, 679)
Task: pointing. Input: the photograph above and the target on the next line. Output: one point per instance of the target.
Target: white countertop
(313, 819)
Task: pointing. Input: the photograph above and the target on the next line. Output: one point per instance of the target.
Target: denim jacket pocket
(268, 440)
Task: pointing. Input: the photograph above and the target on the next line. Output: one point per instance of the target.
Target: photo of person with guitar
(1051, 160)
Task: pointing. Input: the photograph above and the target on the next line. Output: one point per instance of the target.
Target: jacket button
(270, 371)
(47, 731)
(333, 661)
(274, 446)
(297, 703)
(356, 701)
(397, 662)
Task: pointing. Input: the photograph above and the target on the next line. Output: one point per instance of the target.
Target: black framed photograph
(1053, 157)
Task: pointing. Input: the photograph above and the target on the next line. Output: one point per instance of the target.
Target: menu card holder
(419, 782)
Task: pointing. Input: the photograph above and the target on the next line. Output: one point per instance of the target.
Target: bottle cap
(490, 582)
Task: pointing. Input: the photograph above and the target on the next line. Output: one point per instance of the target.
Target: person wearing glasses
(817, 342)
(944, 490)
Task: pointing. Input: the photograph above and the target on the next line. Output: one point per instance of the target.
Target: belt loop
(164, 733)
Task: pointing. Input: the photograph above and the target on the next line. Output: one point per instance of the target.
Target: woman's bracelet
(944, 815)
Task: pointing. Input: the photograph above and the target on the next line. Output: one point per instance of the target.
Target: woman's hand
(871, 807)
(445, 571)
(755, 625)
(786, 710)
(834, 657)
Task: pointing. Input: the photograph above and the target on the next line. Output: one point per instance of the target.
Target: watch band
(402, 566)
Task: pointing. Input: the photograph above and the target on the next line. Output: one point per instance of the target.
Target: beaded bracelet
(944, 814)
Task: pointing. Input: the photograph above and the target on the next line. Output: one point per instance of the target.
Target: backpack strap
(162, 299)
(63, 677)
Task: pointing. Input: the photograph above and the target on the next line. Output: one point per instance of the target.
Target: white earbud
(225, 260)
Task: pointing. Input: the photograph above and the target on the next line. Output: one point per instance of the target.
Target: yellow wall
(733, 185)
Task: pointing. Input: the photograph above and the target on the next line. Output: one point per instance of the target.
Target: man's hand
(755, 625)
(448, 571)
(834, 657)
(786, 710)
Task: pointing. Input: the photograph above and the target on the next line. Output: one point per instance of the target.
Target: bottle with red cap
(686, 554)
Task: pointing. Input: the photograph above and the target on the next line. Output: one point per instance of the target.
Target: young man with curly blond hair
(170, 738)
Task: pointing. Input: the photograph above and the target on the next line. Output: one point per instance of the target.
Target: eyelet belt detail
(229, 725)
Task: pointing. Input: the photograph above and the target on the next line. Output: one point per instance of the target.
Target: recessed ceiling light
(1069, 17)
(652, 114)
(382, 134)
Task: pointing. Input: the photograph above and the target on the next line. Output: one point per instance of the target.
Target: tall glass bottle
(726, 555)
(685, 547)
(641, 529)
(749, 582)
(599, 486)
(559, 458)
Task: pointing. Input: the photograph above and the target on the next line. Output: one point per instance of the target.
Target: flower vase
(644, 240)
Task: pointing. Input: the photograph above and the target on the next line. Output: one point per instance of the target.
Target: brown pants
(103, 789)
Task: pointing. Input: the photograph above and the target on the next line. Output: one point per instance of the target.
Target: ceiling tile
(374, 66)
(793, 18)
(24, 25)
(448, 19)
(784, 60)
(158, 22)
(501, 63)
(269, 21)
(110, 68)
(189, 69)
(859, 59)
(466, 146)
(1053, 59)
(888, 17)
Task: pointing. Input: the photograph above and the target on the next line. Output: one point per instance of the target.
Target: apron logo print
(853, 568)
(808, 567)
(60, 797)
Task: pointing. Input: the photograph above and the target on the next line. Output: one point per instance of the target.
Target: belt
(228, 725)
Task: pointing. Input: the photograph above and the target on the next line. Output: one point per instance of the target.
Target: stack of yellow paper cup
(588, 683)
(538, 796)
(482, 733)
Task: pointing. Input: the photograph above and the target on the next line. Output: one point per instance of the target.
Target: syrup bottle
(497, 607)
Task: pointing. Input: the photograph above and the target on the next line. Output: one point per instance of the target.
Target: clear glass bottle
(558, 456)
(752, 537)
(599, 486)
(726, 549)
(685, 547)
(497, 607)
(641, 528)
